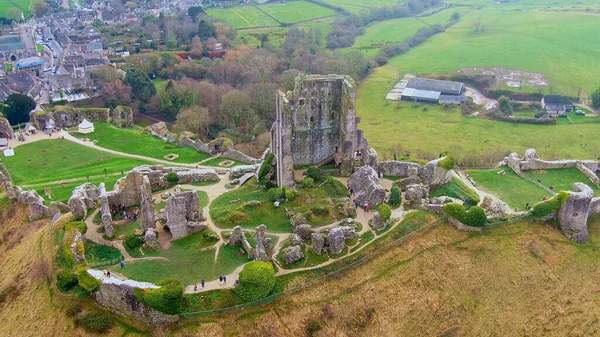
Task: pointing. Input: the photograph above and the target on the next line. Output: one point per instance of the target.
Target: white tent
(29, 128)
(85, 126)
(9, 152)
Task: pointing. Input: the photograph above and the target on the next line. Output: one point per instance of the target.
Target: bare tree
(195, 119)
(479, 27)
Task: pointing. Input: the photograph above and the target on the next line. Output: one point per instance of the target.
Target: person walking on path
(202, 282)
(225, 279)
(122, 264)
(221, 279)
(195, 287)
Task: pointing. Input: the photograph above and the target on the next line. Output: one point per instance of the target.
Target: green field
(561, 179)
(39, 48)
(8, 67)
(133, 141)
(529, 4)
(295, 11)
(512, 189)
(559, 45)
(242, 17)
(474, 141)
(63, 192)
(357, 6)
(5, 5)
(393, 31)
(58, 159)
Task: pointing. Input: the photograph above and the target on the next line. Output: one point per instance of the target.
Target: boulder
(295, 240)
(336, 241)
(415, 193)
(159, 128)
(239, 171)
(292, 254)
(298, 219)
(349, 232)
(531, 154)
(377, 222)
(236, 237)
(318, 241)
(436, 176)
(304, 231)
(365, 185)
(253, 203)
(399, 169)
(150, 241)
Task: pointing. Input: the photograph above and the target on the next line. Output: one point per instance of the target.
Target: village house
(557, 105)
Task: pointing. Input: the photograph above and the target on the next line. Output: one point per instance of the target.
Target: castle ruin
(315, 124)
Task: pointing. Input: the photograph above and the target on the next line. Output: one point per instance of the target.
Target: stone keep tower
(316, 123)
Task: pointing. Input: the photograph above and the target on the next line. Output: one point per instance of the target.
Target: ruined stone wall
(35, 203)
(184, 214)
(5, 130)
(120, 299)
(122, 116)
(365, 185)
(399, 169)
(574, 212)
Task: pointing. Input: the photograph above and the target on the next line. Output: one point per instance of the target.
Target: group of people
(222, 281)
(121, 211)
(366, 207)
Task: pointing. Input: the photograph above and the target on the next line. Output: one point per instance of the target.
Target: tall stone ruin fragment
(184, 214)
(105, 215)
(147, 205)
(316, 123)
(365, 186)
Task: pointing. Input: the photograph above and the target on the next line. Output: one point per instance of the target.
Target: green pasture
(295, 11)
(356, 6)
(134, 141)
(512, 189)
(5, 5)
(563, 46)
(529, 4)
(59, 159)
(394, 31)
(160, 84)
(242, 17)
(413, 132)
(561, 179)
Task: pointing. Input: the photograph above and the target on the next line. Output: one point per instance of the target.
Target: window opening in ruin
(301, 101)
(312, 121)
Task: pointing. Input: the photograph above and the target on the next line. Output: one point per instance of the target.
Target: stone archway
(13, 58)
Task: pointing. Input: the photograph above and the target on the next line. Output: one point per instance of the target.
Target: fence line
(273, 297)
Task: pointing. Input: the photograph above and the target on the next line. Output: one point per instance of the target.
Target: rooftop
(557, 99)
(421, 94)
(449, 87)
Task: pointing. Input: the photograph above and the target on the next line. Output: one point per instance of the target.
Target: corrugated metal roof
(421, 94)
(436, 85)
(452, 99)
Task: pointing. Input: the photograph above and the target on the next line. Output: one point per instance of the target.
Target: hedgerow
(95, 322)
(448, 162)
(550, 206)
(168, 298)
(133, 241)
(66, 280)
(474, 217)
(275, 194)
(256, 281)
(315, 173)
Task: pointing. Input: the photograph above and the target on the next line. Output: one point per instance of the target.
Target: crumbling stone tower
(316, 123)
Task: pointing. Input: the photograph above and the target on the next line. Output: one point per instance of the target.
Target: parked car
(580, 113)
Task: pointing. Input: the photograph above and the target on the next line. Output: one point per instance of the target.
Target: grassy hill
(518, 279)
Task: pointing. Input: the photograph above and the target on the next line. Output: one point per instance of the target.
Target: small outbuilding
(3, 143)
(557, 105)
(86, 126)
(30, 129)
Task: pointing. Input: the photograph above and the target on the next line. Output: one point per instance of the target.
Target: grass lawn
(561, 179)
(59, 159)
(160, 84)
(39, 48)
(134, 141)
(355, 6)
(189, 260)
(536, 41)
(393, 31)
(8, 67)
(215, 162)
(242, 17)
(459, 190)
(473, 141)
(226, 215)
(253, 37)
(295, 11)
(512, 189)
(126, 228)
(63, 192)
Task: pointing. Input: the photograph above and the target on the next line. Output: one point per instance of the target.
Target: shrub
(315, 173)
(168, 298)
(133, 241)
(448, 162)
(313, 327)
(290, 194)
(275, 194)
(77, 225)
(395, 196)
(256, 281)
(474, 217)
(172, 178)
(385, 211)
(73, 309)
(95, 322)
(66, 280)
(550, 206)
(320, 210)
(539, 114)
(101, 252)
(266, 167)
(87, 281)
(307, 182)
